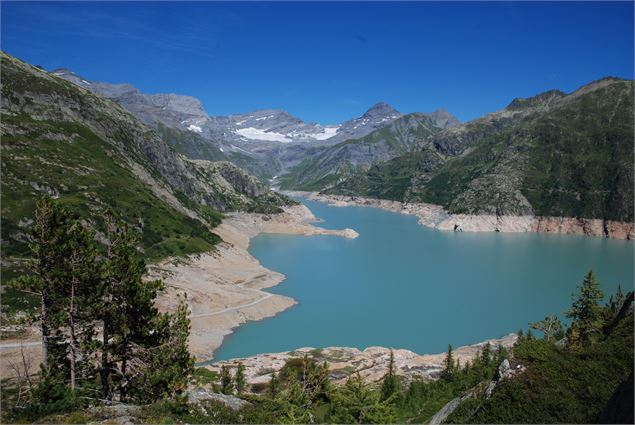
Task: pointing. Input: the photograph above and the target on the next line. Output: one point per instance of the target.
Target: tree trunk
(71, 317)
(105, 367)
(124, 380)
(45, 327)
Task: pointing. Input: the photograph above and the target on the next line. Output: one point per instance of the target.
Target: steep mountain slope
(549, 155)
(330, 165)
(68, 143)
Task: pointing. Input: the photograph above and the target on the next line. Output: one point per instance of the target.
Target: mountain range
(172, 170)
(266, 142)
(553, 154)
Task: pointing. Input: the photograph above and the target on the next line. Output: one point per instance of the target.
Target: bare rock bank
(436, 217)
(371, 363)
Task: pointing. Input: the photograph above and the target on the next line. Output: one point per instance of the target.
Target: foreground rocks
(200, 394)
(371, 363)
(436, 217)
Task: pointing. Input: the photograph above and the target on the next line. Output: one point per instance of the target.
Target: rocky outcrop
(449, 408)
(505, 371)
(198, 395)
(371, 363)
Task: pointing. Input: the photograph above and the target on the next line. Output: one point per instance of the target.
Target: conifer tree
(79, 294)
(530, 335)
(130, 318)
(486, 355)
(167, 360)
(390, 383)
(501, 354)
(447, 373)
(586, 312)
(356, 403)
(550, 326)
(226, 381)
(239, 378)
(274, 385)
(47, 239)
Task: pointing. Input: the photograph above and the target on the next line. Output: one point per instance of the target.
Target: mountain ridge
(552, 154)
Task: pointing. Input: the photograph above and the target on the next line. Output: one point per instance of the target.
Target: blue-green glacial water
(402, 285)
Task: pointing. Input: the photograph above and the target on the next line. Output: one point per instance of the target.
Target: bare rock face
(200, 394)
(371, 363)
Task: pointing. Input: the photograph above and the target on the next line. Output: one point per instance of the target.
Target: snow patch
(258, 134)
(327, 133)
(195, 128)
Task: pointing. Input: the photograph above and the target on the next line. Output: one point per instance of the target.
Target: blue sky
(328, 62)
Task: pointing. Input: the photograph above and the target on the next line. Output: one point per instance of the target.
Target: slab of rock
(200, 394)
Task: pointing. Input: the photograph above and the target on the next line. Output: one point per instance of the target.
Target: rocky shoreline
(224, 288)
(371, 363)
(435, 216)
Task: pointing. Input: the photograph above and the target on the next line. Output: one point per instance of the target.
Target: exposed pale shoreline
(225, 287)
(435, 216)
(371, 363)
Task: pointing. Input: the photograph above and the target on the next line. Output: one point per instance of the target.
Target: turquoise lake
(402, 285)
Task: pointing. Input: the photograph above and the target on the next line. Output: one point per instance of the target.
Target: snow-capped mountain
(269, 125)
(273, 138)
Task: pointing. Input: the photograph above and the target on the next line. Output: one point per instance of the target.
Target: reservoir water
(402, 285)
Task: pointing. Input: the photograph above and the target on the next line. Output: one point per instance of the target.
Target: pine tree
(81, 286)
(62, 266)
(390, 383)
(486, 355)
(167, 360)
(586, 312)
(128, 312)
(226, 381)
(530, 335)
(47, 240)
(501, 354)
(356, 403)
(447, 373)
(239, 378)
(551, 328)
(274, 385)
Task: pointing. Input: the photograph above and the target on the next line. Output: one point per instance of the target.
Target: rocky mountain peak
(69, 75)
(381, 109)
(443, 119)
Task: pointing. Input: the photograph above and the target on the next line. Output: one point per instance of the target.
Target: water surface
(402, 285)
